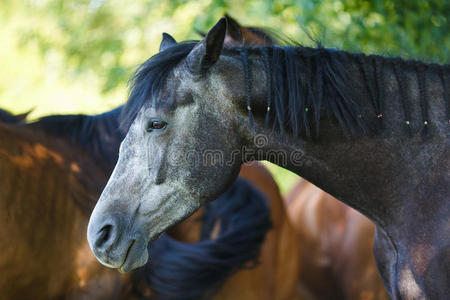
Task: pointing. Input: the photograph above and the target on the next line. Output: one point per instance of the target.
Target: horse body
(189, 99)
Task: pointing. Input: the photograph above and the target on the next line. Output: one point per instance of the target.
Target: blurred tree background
(67, 56)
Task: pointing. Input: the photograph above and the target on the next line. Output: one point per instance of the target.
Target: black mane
(180, 271)
(98, 134)
(296, 97)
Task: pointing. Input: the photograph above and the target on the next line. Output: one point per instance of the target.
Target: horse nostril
(103, 235)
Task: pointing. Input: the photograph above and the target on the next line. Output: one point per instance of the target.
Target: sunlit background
(76, 56)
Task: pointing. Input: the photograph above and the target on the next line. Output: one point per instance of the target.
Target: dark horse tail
(184, 271)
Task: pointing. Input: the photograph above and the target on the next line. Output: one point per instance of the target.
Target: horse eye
(156, 125)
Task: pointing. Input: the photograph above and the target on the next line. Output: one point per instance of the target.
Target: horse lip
(120, 268)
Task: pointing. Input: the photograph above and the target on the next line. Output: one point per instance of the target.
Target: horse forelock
(149, 78)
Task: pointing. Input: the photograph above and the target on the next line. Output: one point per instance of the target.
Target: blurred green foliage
(110, 38)
(77, 55)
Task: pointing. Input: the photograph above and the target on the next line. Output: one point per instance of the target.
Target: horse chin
(137, 252)
(135, 257)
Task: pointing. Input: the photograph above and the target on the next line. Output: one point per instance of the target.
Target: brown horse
(337, 246)
(52, 182)
(44, 253)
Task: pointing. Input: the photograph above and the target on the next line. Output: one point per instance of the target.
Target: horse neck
(364, 170)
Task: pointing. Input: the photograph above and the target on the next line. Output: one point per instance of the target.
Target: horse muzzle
(114, 244)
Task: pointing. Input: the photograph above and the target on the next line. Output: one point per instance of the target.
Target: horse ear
(167, 42)
(23, 116)
(234, 31)
(207, 51)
